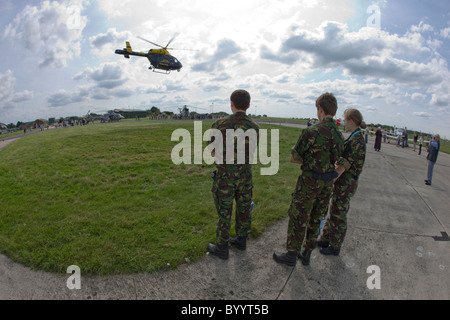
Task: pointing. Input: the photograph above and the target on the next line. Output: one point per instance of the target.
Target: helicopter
(160, 59)
(112, 115)
(109, 116)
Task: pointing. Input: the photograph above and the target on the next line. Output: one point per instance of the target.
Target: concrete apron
(395, 223)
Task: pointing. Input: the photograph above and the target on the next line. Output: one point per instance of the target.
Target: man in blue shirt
(433, 151)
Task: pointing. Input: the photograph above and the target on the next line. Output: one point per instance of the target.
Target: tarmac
(396, 248)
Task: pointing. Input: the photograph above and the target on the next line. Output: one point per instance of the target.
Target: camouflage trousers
(306, 213)
(335, 226)
(229, 186)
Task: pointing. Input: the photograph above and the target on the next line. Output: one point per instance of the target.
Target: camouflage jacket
(240, 120)
(319, 147)
(354, 154)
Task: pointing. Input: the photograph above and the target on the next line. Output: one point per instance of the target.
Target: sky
(387, 58)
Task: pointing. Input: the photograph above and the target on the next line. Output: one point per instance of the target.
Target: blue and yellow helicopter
(160, 59)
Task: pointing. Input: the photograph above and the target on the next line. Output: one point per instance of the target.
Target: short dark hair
(328, 103)
(241, 99)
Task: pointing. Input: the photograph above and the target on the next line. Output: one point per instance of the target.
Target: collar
(328, 119)
(358, 130)
(240, 114)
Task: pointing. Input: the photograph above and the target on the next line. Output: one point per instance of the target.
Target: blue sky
(58, 58)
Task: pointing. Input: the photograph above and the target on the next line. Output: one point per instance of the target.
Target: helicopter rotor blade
(183, 49)
(155, 44)
(167, 46)
(170, 41)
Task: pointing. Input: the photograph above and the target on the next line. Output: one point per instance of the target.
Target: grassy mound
(108, 198)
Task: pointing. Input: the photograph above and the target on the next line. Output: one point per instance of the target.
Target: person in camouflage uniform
(317, 150)
(349, 167)
(233, 181)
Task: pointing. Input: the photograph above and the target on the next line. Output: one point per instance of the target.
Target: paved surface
(395, 223)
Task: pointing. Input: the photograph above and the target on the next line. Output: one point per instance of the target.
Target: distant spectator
(378, 137)
(416, 136)
(420, 143)
(433, 151)
(404, 138)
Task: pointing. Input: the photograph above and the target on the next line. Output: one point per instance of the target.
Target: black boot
(239, 242)
(219, 251)
(305, 257)
(329, 251)
(322, 244)
(287, 258)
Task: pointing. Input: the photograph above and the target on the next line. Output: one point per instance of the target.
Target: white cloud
(63, 97)
(226, 50)
(222, 77)
(440, 93)
(105, 83)
(418, 96)
(111, 36)
(202, 22)
(22, 96)
(422, 27)
(445, 33)
(171, 85)
(106, 72)
(369, 52)
(104, 43)
(440, 100)
(9, 98)
(51, 30)
(423, 114)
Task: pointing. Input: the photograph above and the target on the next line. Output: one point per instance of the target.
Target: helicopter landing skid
(157, 71)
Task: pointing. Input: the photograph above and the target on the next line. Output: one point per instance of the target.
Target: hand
(340, 170)
(293, 160)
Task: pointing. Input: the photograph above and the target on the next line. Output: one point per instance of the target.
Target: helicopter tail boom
(127, 52)
(123, 52)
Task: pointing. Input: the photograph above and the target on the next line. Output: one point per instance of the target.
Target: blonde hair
(356, 116)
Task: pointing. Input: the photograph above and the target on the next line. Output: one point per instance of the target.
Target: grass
(304, 121)
(11, 134)
(108, 198)
(445, 146)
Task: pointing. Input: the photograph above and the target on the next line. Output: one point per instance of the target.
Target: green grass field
(11, 134)
(304, 121)
(108, 198)
(445, 146)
